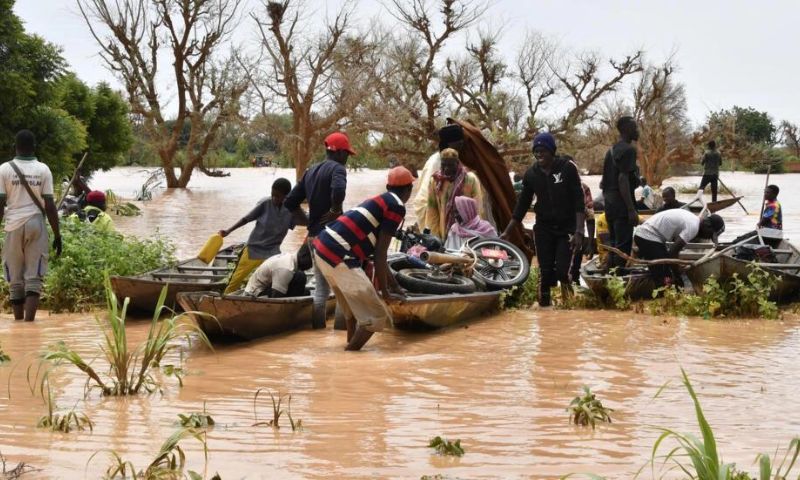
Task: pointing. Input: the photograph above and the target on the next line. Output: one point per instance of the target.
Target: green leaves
(444, 446)
(587, 410)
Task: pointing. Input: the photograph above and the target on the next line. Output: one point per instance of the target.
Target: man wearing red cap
(359, 235)
(95, 212)
(323, 185)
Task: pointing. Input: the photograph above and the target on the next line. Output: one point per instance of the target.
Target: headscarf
(457, 179)
(472, 225)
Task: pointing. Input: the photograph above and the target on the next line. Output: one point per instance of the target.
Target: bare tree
(319, 79)
(409, 97)
(660, 109)
(790, 136)
(533, 61)
(134, 35)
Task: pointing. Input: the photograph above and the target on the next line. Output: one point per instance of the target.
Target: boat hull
(437, 311)
(245, 317)
(726, 266)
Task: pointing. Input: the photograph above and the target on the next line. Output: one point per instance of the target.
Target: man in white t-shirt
(281, 275)
(26, 246)
(678, 226)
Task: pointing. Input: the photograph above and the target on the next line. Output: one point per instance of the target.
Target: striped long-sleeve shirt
(351, 238)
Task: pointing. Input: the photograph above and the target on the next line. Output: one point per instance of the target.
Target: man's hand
(223, 233)
(576, 241)
(505, 235)
(633, 217)
(57, 245)
(589, 248)
(329, 216)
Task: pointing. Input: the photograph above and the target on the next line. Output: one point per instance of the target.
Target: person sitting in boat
(95, 212)
(678, 226)
(451, 181)
(560, 214)
(355, 237)
(648, 199)
(670, 200)
(281, 275)
(468, 224)
(273, 222)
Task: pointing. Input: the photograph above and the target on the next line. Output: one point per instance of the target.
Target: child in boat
(468, 224)
(281, 275)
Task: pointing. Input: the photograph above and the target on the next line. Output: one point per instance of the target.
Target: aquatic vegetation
(587, 410)
(119, 207)
(747, 298)
(583, 299)
(704, 459)
(169, 463)
(277, 411)
(444, 446)
(196, 420)
(74, 281)
(3, 356)
(14, 473)
(522, 296)
(618, 295)
(63, 422)
(130, 371)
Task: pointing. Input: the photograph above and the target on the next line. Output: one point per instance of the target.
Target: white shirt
(19, 204)
(276, 272)
(669, 225)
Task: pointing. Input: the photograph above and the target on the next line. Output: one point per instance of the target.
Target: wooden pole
(641, 261)
(761, 214)
(732, 195)
(72, 180)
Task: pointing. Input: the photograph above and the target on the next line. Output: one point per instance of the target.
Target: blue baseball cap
(546, 140)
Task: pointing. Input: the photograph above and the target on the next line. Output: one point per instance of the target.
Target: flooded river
(501, 384)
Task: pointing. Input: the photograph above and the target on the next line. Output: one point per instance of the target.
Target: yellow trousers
(244, 267)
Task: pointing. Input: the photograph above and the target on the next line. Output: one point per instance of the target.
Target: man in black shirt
(620, 178)
(711, 162)
(559, 209)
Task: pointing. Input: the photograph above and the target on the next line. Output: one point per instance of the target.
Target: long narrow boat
(786, 268)
(246, 317)
(437, 311)
(712, 207)
(190, 275)
(638, 283)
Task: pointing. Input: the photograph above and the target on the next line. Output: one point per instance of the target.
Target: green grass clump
(587, 410)
(3, 356)
(196, 420)
(130, 370)
(169, 463)
(618, 293)
(522, 296)
(277, 411)
(62, 422)
(444, 446)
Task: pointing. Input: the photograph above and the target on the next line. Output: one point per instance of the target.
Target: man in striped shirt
(357, 236)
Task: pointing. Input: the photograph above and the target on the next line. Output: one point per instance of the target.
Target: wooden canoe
(245, 317)
(437, 311)
(190, 275)
(713, 207)
(723, 267)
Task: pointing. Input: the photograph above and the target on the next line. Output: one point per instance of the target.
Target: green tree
(755, 126)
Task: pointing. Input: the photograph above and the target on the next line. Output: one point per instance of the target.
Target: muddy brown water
(500, 385)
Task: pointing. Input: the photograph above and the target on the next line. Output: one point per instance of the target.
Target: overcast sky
(730, 52)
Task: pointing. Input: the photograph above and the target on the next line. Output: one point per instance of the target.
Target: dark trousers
(554, 254)
(713, 180)
(650, 250)
(620, 229)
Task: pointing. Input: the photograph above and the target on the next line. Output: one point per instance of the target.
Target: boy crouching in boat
(281, 275)
(356, 236)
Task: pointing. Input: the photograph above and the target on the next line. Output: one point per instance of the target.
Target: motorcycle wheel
(420, 280)
(500, 274)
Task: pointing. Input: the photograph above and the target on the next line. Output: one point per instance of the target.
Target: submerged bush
(738, 297)
(444, 446)
(74, 281)
(587, 410)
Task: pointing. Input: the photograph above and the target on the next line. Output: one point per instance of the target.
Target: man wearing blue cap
(560, 216)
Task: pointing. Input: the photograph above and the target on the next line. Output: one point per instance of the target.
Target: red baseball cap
(338, 141)
(399, 177)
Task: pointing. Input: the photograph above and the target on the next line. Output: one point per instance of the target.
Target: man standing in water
(357, 236)
(273, 222)
(560, 214)
(711, 162)
(26, 187)
(324, 186)
(620, 178)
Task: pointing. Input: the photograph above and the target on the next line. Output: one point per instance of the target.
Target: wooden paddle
(761, 214)
(732, 195)
(71, 181)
